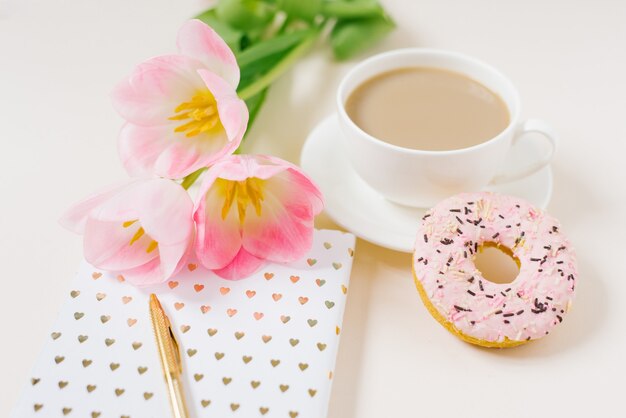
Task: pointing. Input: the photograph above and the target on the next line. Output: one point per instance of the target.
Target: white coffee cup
(419, 178)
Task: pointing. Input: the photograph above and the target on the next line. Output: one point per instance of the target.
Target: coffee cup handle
(535, 126)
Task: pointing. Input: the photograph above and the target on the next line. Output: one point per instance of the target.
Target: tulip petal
(155, 88)
(165, 210)
(295, 178)
(185, 155)
(76, 216)
(199, 41)
(153, 272)
(232, 110)
(170, 256)
(106, 245)
(284, 230)
(218, 240)
(241, 267)
(140, 146)
(239, 168)
(146, 274)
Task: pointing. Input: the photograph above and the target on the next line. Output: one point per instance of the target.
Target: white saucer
(351, 203)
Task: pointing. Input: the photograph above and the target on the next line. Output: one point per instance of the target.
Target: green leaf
(302, 9)
(254, 104)
(351, 37)
(352, 9)
(255, 69)
(245, 14)
(274, 66)
(271, 46)
(231, 36)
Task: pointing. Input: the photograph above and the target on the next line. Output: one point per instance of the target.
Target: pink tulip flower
(182, 111)
(251, 209)
(142, 230)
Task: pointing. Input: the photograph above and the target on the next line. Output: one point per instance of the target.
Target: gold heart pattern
(264, 346)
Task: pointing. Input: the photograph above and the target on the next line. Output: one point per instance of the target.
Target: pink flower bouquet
(183, 119)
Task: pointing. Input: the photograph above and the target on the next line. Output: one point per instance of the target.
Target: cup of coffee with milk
(420, 125)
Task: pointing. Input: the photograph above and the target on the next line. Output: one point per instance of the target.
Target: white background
(60, 59)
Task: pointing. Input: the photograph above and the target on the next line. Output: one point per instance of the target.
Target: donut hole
(497, 263)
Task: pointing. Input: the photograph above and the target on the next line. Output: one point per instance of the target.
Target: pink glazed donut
(477, 310)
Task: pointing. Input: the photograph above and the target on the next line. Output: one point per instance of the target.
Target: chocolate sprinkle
(506, 315)
(446, 241)
(459, 308)
(455, 210)
(500, 216)
(459, 219)
(540, 307)
(559, 318)
(425, 238)
(519, 312)
(495, 235)
(471, 293)
(506, 321)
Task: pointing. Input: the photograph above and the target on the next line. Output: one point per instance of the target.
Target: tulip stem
(283, 65)
(191, 178)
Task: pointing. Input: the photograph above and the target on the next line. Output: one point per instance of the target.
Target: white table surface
(60, 59)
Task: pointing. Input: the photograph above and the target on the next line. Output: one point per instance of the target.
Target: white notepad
(259, 347)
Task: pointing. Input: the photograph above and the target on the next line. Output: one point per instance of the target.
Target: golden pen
(170, 357)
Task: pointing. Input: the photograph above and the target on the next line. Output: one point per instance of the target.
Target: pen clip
(176, 347)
